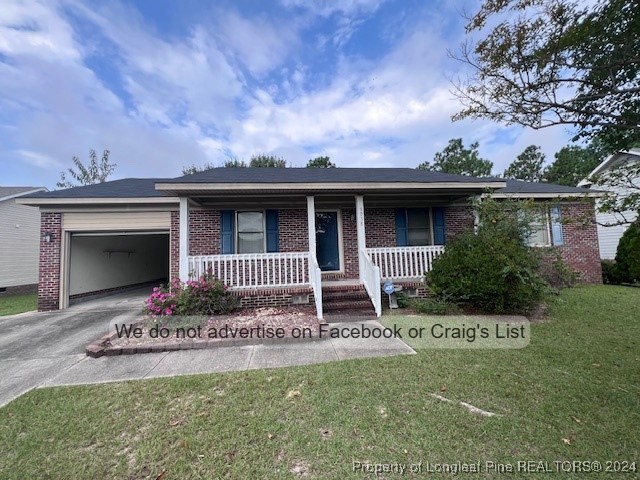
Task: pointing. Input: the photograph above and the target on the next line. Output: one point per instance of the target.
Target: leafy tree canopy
(527, 166)
(269, 161)
(321, 162)
(572, 164)
(234, 163)
(191, 169)
(95, 172)
(556, 62)
(455, 158)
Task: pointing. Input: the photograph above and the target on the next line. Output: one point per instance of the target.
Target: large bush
(627, 266)
(204, 296)
(492, 270)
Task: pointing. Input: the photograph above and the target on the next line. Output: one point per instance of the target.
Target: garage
(109, 253)
(103, 263)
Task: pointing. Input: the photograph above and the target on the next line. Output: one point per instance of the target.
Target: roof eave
(548, 195)
(186, 188)
(97, 201)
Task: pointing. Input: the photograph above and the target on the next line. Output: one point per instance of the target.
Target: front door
(327, 249)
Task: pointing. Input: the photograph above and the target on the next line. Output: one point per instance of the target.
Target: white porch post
(311, 221)
(362, 242)
(184, 239)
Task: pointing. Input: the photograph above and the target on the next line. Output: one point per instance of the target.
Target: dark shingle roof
(324, 175)
(517, 186)
(145, 187)
(125, 188)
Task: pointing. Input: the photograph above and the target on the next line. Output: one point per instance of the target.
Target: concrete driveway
(35, 347)
(47, 349)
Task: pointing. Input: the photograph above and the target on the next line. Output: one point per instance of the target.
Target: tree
(191, 169)
(527, 166)
(93, 173)
(269, 161)
(572, 164)
(622, 186)
(555, 62)
(459, 160)
(234, 163)
(321, 162)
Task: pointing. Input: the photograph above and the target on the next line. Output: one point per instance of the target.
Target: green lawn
(572, 394)
(12, 304)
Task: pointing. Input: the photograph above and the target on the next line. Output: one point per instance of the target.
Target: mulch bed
(243, 327)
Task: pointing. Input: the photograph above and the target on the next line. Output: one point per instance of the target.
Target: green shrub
(433, 306)
(402, 299)
(628, 255)
(492, 270)
(610, 274)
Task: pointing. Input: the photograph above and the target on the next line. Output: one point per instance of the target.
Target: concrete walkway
(47, 349)
(225, 359)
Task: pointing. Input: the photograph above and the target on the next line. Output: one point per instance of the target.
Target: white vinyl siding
(19, 244)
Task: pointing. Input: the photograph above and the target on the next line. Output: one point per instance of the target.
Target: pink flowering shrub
(204, 296)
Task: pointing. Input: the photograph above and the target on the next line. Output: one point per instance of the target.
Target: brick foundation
(271, 297)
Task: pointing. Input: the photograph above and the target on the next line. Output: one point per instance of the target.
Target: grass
(572, 394)
(12, 304)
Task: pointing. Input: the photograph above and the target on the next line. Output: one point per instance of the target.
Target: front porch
(312, 240)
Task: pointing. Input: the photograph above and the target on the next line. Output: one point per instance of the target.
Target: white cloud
(326, 8)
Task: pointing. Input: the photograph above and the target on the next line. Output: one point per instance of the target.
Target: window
(547, 230)
(250, 232)
(419, 227)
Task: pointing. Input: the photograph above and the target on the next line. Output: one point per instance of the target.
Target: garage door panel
(79, 221)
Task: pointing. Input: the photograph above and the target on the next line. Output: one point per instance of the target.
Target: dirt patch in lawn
(247, 326)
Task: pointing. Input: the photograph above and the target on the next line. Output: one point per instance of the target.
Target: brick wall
(457, 220)
(174, 246)
(380, 227)
(350, 243)
(49, 264)
(204, 232)
(293, 230)
(580, 250)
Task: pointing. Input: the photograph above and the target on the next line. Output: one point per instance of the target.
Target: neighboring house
(19, 241)
(286, 236)
(610, 228)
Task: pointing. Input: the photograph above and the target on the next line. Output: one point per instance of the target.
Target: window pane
(417, 218)
(250, 243)
(540, 236)
(418, 236)
(250, 222)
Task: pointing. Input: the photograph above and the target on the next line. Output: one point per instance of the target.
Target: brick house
(328, 237)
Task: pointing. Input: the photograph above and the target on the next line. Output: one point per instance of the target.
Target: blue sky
(163, 84)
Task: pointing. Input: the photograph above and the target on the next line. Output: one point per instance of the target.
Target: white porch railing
(251, 270)
(403, 263)
(315, 278)
(254, 270)
(370, 276)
